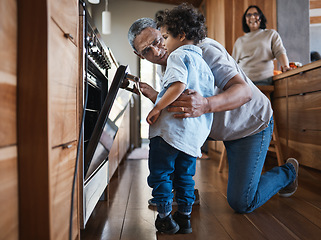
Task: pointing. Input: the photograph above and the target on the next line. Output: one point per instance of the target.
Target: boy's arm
(148, 91)
(171, 94)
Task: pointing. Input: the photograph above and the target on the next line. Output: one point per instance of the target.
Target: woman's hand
(153, 116)
(189, 104)
(285, 68)
(148, 91)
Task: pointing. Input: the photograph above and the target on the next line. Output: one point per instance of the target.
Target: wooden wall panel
(315, 4)
(216, 20)
(224, 18)
(229, 26)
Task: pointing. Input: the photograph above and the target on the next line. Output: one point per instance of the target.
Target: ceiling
(195, 3)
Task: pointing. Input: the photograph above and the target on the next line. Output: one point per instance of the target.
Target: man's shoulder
(211, 48)
(208, 41)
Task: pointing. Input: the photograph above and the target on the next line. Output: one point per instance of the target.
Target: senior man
(243, 119)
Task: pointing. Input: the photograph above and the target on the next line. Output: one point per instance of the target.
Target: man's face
(149, 45)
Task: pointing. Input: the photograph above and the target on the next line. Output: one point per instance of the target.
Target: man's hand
(148, 91)
(189, 104)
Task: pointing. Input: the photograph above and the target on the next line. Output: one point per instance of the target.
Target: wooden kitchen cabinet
(121, 144)
(297, 107)
(63, 72)
(63, 13)
(47, 117)
(9, 221)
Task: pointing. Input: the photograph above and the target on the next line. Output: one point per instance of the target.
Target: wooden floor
(126, 214)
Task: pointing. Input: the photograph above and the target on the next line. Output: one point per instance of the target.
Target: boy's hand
(153, 116)
(148, 91)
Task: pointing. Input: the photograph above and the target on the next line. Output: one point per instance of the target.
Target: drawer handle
(66, 146)
(301, 94)
(68, 35)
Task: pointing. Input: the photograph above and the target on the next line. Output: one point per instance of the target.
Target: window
(148, 75)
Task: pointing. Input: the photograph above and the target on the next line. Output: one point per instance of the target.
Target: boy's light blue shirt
(185, 65)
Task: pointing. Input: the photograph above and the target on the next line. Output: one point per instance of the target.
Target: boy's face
(170, 42)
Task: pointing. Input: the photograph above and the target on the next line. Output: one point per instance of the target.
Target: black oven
(106, 91)
(96, 81)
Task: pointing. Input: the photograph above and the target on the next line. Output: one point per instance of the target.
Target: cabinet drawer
(63, 78)
(62, 166)
(305, 111)
(305, 146)
(308, 81)
(67, 20)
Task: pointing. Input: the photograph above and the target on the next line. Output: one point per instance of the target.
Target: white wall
(293, 26)
(315, 37)
(123, 14)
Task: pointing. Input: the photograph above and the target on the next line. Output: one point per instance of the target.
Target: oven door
(107, 125)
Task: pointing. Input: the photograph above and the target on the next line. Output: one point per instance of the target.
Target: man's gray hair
(137, 27)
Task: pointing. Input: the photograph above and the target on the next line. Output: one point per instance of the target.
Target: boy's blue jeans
(170, 168)
(247, 188)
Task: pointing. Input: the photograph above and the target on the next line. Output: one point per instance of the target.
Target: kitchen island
(297, 109)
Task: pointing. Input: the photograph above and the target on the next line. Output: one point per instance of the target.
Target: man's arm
(236, 93)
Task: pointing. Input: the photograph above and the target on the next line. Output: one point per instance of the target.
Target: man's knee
(238, 205)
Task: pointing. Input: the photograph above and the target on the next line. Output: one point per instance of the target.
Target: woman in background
(256, 50)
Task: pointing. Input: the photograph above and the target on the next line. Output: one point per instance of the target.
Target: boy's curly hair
(183, 19)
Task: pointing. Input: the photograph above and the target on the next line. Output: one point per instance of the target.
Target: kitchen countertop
(298, 70)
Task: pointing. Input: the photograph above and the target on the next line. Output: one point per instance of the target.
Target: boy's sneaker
(196, 202)
(291, 188)
(166, 224)
(184, 222)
